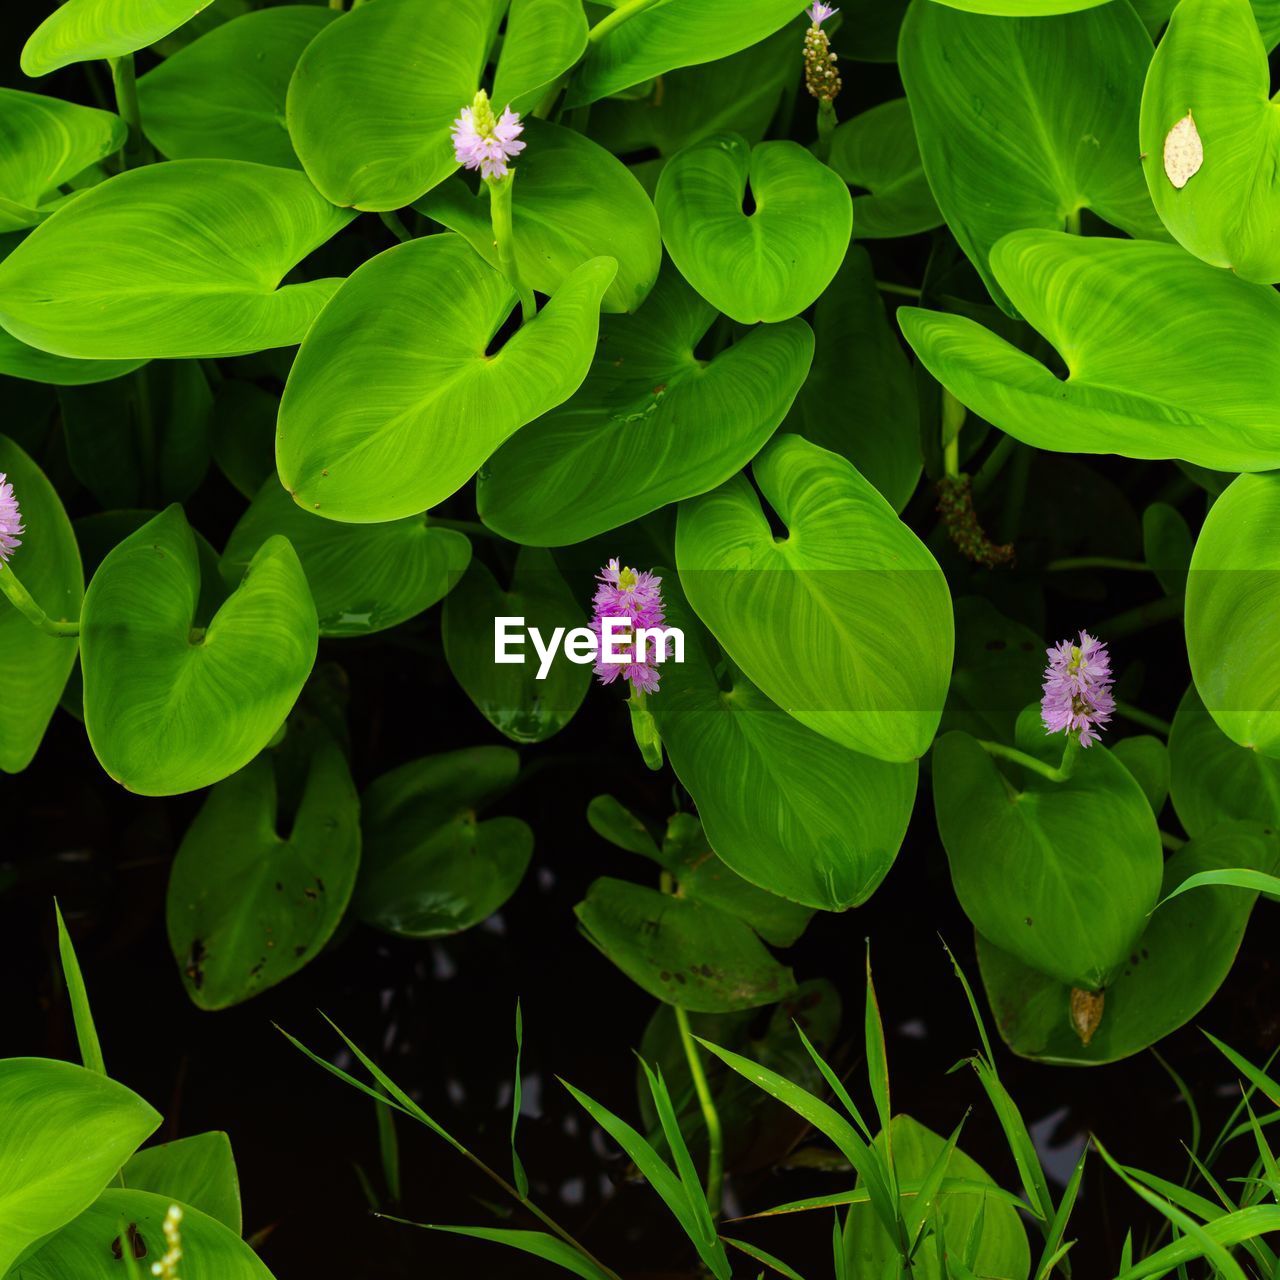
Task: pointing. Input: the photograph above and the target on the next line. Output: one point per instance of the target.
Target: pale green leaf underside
(393, 402)
(188, 261)
(1166, 357)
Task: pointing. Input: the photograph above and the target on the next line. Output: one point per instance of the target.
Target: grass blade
(518, 1174)
(774, 1264)
(538, 1243)
(82, 1015)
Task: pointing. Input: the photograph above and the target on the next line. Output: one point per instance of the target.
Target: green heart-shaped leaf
(199, 1171)
(67, 1132)
(188, 259)
(1060, 874)
(543, 40)
(223, 96)
(877, 150)
(1042, 110)
(511, 697)
(995, 1241)
(1167, 977)
(572, 201)
(373, 97)
(678, 33)
(85, 29)
(784, 807)
(47, 142)
(1233, 613)
(83, 1248)
(1213, 779)
(846, 622)
(364, 578)
(621, 447)
(170, 708)
(430, 867)
(247, 908)
(1211, 136)
(769, 264)
(860, 397)
(34, 666)
(1202, 384)
(682, 952)
(394, 402)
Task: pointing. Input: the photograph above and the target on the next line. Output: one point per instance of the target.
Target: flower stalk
(504, 240)
(21, 599)
(623, 13)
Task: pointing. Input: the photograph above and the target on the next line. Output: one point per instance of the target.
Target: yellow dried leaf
(1183, 152)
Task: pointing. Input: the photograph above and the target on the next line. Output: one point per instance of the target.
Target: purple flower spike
(484, 141)
(636, 596)
(1077, 688)
(819, 13)
(10, 520)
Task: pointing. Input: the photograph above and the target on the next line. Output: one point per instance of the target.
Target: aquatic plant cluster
(886, 394)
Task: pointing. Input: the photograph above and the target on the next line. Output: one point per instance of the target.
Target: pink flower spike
(637, 597)
(10, 520)
(1077, 688)
(819, 13)
(484, 141)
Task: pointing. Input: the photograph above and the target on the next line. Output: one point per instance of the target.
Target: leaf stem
(623, 13)
(903, 290)
(1144, 718)
(1171, 842)
(1012, 754)
(395, 224)
(20, 598)
(1073, 222)
(124, 81)
(710, 1116)
(505, 241)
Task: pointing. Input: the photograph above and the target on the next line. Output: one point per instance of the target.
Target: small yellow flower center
(482, 115)
(628, 580)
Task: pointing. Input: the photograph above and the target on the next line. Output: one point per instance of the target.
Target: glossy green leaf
(845, 622)
(223, 96)
(877, 151)
(620, 447)
(1043, 111)
(1167, 977)
(249, 906)
(1060, 874)
(394, 401)
(170, 707)
(860, 397)
(363, 578)
(210, 1251)
(140, 441)
(85, 29)
(188, 261)
(1233, 625)
(33, 666)
(510, 696)
(572, 201)
(979, 1225)
(682, 952)
(679, 33)
(430, 867)
(373, 97)
(45, 142)
(1202, 384)
(1209, 79)
(999, 664)
(67, 1132)
(1213, 779)
(1233, 613)
(199, 1171)
(17, 360)
(543, 40)
(786, 808)
(771, 263)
